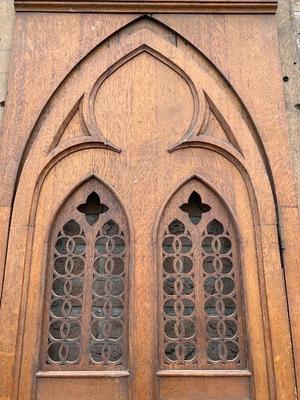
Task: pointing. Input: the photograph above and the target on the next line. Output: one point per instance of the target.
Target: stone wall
(288, 17)
(288, 20)
(6, 29)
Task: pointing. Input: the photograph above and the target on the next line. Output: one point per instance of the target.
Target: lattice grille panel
(106, 345)
(86, 307)
(178, 295)
(201, 321)
(65, 325)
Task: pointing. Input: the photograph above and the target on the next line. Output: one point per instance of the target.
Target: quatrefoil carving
(92, 208)
(195, 208)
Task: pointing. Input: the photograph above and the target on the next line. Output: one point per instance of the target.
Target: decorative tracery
(178, 294)
(86, 309)
(65, 318)
(201, 323)
(108, 296)
(220, 307)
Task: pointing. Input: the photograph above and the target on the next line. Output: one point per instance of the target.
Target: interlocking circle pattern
(178, 314)
(64, 336)
(107, 323)
(219, 296)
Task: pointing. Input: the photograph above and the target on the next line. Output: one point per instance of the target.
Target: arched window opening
(86, 306)
(200, 309)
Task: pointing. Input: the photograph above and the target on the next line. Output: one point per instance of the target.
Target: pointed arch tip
(150, 18)
(94, 176)
(145, 17)
(200, 109)
(211, 187)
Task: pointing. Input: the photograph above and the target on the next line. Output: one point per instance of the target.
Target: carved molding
(182, 263)
(200, 112)
(147, 38)
(197, 138)
(150, 6)
(90, 133)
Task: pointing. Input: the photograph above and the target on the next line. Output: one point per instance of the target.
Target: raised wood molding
(82, 374)
(150, 6)
(73, 50)
(204, 372)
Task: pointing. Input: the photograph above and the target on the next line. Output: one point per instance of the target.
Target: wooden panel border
(150, 6)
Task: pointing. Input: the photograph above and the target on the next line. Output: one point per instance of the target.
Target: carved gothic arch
(211, 188)
(209, 88)
(173, 220)
(200, 85)
(112, 223)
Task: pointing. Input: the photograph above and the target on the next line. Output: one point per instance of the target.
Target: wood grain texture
(81, 388)
(150, 6)
(203, 372)
(236, 157)
(205, 389)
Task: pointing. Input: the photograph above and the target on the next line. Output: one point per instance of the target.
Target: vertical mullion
(199, 292)
(87, 297)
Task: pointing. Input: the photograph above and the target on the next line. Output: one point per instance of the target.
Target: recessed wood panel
(82, 388)
(204, 388)
(146, 101)
(144, 113)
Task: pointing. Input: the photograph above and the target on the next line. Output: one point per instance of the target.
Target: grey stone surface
(288, 22)
(7, 17)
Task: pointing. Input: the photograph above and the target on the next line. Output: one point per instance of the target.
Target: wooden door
(147, 272)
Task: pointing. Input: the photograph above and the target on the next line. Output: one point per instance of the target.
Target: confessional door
(144, 271)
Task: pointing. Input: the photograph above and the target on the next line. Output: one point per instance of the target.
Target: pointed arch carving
(200, 313)
(138, 31)
(85, 322)
(37, 176)
(209, 137)
(147, 41)
(86, 135)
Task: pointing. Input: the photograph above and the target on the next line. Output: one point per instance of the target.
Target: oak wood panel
(84, 32)
(81, 388)
(142, 163)
(185, 6)
(205, 389)
(266, 79)
(135, 198)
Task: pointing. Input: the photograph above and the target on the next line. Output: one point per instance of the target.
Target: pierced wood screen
(86, 306)
(201, 321)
